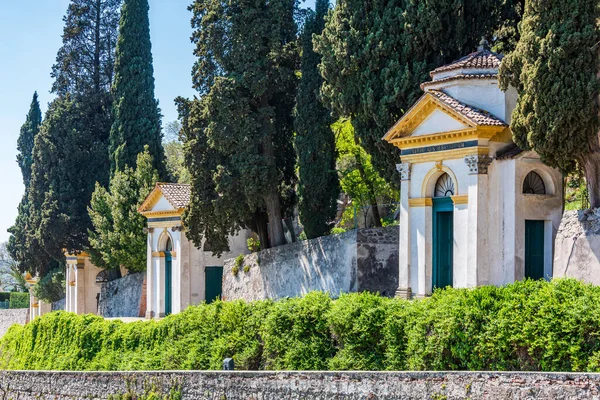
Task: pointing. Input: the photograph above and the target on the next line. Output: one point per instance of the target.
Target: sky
(30, 36)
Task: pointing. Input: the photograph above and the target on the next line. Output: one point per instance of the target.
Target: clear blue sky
(30, 35)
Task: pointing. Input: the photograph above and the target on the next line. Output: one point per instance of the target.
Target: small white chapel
(475, 208)
(179, 274)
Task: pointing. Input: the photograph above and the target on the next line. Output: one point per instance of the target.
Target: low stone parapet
(218, 385)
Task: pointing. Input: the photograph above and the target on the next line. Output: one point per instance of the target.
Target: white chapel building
(179, 274)
(475, 209)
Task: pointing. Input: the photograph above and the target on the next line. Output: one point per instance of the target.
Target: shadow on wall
(577, 246)
(358, 260)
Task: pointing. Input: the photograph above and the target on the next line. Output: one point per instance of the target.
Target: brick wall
(221, 385)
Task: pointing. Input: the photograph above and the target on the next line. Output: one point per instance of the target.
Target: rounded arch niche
(439, 175)
(165, 242)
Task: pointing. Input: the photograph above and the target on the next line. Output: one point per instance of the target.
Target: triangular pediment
(166, 198)
(428, 116)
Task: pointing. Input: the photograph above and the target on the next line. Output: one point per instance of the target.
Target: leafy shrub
(529, 325)
(51, 287)
(253, 245)
(19, 300)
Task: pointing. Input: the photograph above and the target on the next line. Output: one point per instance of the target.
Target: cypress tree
(137, 116)
(318, 184)
(239, 135)
(16, 246)
(70, 153)
(555, 70)
(375, 54)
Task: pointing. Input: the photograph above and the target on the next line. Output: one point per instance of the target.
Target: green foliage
(253, 244)
(137, 117)
(51, 286)
(526, 326)
(554, 69)
(19, 300)
(239, 134)
(118, 236)
(318, 184)
(375, 55)
(246, 268)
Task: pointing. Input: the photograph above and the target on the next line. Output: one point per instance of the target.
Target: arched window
(534, 184)
(444, 187)
(169, 245)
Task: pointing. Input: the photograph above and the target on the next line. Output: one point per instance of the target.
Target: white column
(421, 250)
(150, 309)
(80, 285)
(404, 252)
(477, 247)
(72, 290)
(67, 291)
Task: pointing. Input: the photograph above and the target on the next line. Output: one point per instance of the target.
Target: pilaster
(404, 290)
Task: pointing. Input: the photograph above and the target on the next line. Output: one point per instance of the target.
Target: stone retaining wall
(219, 385)
(12, 316)
(358, 260)
(577, 246)
(123, 297)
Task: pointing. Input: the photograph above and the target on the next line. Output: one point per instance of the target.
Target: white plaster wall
(163, 205)
(461, 226)
(483, 94)
(438, 121)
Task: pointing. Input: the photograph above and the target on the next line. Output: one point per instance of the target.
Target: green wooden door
(534, 249)
(168, 284)
(443, 242)
(213, 283)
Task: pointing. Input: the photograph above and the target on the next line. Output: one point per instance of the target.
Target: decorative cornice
(404, 170)
(478, 164)
(163, 213)
(420, 202)
(445, 155)
(460, 199)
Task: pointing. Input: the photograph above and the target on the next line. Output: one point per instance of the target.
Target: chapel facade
(475, 208)
(179, 274)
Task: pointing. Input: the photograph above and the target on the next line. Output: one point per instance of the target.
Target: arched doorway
(443, 232)
(168, 277)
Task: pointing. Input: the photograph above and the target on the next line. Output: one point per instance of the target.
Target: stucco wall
(577, 244)
(365, 259)
(218, 385)
(122, 297)
(14, 316)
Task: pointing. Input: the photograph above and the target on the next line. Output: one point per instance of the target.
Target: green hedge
(530, 325)
(19, 300)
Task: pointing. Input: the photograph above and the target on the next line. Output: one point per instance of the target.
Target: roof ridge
(474, 114)
(481, 59)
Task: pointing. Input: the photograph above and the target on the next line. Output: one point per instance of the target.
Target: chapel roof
(473, 114)
(481, 59)
(178, 194)
(427, 84)
(508, 152)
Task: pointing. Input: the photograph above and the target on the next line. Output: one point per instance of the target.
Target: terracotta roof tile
(459, 77)
(473, 114)
(178, 194)
(484, 59)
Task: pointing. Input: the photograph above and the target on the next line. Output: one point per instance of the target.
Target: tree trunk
(591, 167)
(276, 235)
(290, 226)
(261, 229)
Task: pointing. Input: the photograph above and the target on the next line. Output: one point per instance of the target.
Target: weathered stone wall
(122, 297)
(577, 246)
(25, 385)
(357, 260)
(12, 316)
(59, 305)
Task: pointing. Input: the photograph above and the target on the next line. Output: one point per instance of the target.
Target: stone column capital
(478, 164)
(404, 170)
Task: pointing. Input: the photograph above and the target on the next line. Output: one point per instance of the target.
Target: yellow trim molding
(163, 214)
(460, 199)
(446, 154)
(420, 202)
(161, 254)
(72, 283)
(35, 305)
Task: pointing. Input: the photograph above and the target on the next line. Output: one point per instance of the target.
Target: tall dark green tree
(16, 245)
(71, 151)
(137, 116)
(318, 184)
(555, 69)
(239, 136)
(376, 53)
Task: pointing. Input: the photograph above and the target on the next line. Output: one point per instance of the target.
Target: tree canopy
(318, 184)
(555, 71)
(376, 53)
(239, 135)
(137, 116)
